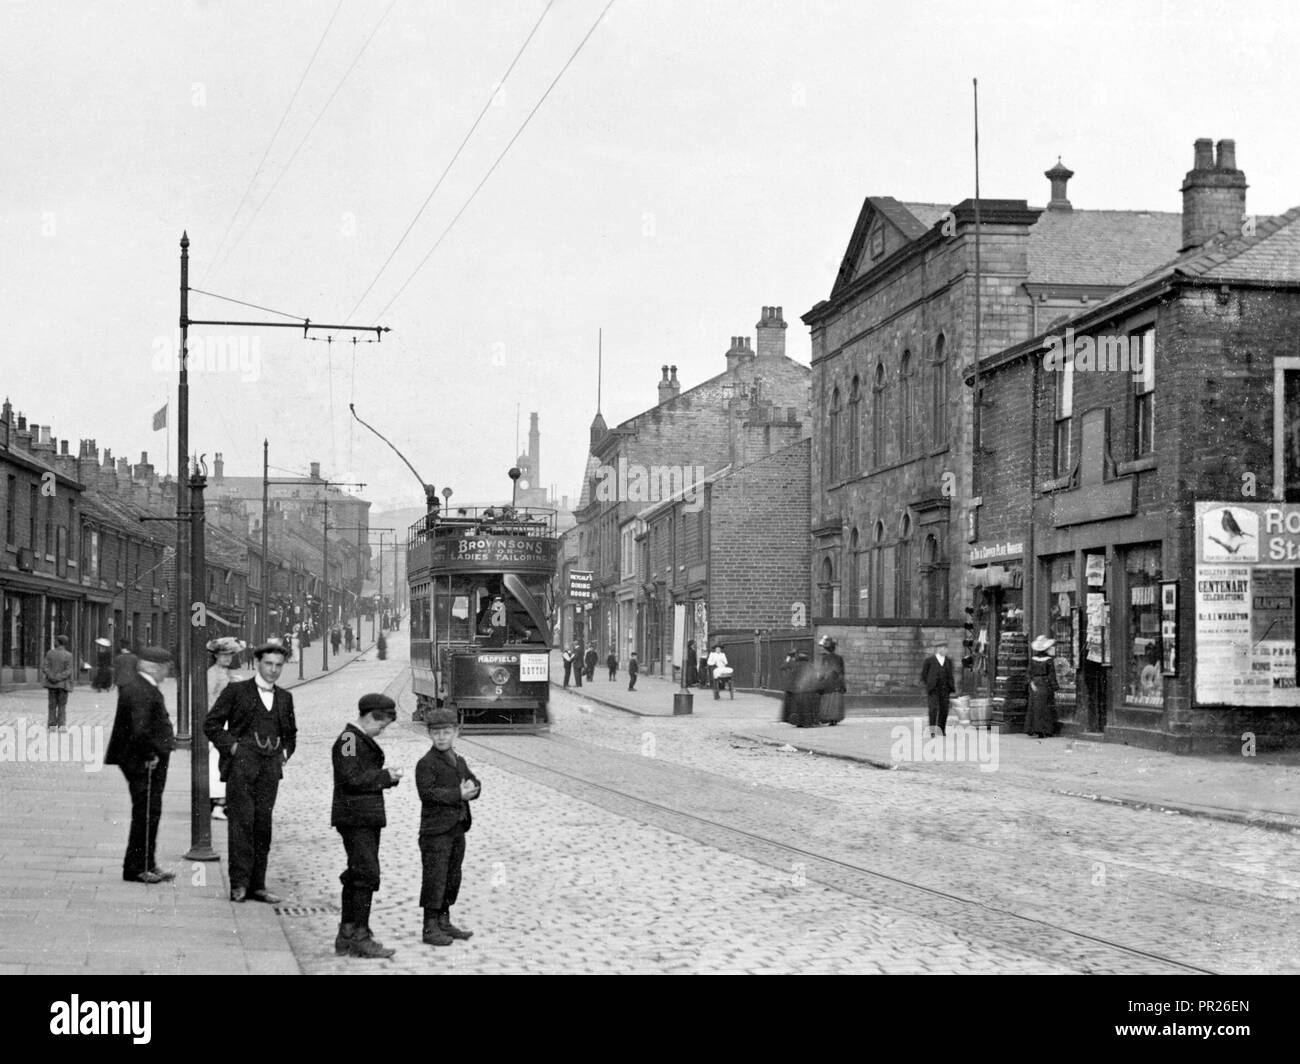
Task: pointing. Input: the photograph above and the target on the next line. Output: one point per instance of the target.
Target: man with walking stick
(140, 746)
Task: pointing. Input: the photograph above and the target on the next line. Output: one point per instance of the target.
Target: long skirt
(831, 709)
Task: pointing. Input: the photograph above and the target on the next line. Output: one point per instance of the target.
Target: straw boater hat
(102, 642)
(227, 644)
(1041, 644)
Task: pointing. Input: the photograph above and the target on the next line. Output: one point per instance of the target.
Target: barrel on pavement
(682, 703)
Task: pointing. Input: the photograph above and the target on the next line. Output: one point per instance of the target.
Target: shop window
(1143, 681)
(1063, 600)
(1144, 394)
(1286, 428)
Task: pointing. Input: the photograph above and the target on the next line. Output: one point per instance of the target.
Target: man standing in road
(140, 746)
(936, 677)
(567, 658)
(590, 662)
(56, 675)
(253, 727)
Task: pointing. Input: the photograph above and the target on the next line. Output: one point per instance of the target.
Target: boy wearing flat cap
(360, 780)
(446, 787)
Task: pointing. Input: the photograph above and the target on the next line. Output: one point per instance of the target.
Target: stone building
(891, 493)
(1140, 487)
(755, 408)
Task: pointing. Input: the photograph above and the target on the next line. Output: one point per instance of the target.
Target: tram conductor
(252, 726)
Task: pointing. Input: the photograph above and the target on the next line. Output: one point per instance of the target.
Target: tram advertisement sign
(580, 583)
(505, 553)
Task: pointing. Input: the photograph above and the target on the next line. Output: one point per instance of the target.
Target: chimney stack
(672, 380)
(218, 468)
(315, 471)
(1058, 175)
(1214, 194)
(665, 387)
(770, 331)
(739, 353)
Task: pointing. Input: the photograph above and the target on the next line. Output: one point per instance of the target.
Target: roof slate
(1101, 247)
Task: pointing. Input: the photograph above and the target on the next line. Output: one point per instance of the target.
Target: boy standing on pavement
(446, 787)
(360, 780)
(633, 668)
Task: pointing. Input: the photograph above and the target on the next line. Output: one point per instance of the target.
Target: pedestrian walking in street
(590, 661)
(692, 664)
(1040, 721)
(789, 669)
(633, 669)
(937, 679)
(253, 726)
(56, 675)
(224, 651)
(124, 670)
(719, 668)
(804, 705)
(336, 640)
(567, 658)
(612, 663)
(579, 667)
(357, 813)
(831, 683)
(347, 639)
(446, 787)
(140, 745)
(103, 678)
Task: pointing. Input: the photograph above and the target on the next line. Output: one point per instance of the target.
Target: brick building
(892, 420)
(1137, 500)
(755, 408)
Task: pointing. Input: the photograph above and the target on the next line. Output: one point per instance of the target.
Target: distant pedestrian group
(813, 694)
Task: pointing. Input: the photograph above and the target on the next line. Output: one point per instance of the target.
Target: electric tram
(481, 611)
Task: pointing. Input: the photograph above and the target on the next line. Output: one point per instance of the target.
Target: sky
(692, 164)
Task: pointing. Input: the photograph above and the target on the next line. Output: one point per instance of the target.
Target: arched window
(939, 394)
(878, 417)
(851, 562)
(830, 592)
(934, 574)
(855, 416)
(833, 440)
(881, 572)
(905, 405)
(903, 583)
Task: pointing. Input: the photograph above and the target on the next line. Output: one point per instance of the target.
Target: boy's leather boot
(448, 928)
(363, 943)
(433, 934)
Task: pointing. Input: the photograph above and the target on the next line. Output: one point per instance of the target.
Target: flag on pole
(160, 419)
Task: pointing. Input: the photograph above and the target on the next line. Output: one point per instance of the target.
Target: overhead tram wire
(497, 163)
(452, 162)
(253, 180)
(285, 169)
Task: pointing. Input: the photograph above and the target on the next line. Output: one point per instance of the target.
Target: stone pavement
(64, 908)
(1263, 791)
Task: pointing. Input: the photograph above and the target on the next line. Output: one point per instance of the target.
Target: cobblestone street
(666, 845)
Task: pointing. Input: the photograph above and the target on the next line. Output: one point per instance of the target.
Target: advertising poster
(1169, 628)
(1223, 666)
(1097, 637)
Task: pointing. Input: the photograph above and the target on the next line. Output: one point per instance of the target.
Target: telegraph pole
(186, 663)
(261, 628)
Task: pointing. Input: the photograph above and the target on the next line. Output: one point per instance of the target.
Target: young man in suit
(446, 787)
(140, 746)
(253, 727)
(360, 780)
(56, 675)
(937, 678)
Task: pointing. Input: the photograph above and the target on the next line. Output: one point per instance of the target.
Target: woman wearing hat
(831, 684)
(1041, 719)
(223, 653)
(103, 678)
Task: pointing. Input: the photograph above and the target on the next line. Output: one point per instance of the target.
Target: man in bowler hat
(140, 746)
(253, 727)
(936, 677)
(360, 780)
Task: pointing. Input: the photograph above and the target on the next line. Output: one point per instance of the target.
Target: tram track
(615, 785)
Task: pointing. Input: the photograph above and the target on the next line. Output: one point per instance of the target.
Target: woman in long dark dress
(807, 693)
(103, 678)
(831, 682)
(1040, 722)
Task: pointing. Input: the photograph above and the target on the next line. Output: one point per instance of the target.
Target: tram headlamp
(500, 675)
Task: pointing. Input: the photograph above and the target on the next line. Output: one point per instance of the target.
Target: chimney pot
(315, 471)
(1227, 156)
(64, 444)
(1203, 156)
(1214, 199)
(22, 423)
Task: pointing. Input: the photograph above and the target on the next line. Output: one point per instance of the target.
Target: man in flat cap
(253, 726)
(360, 780)
(140, 746)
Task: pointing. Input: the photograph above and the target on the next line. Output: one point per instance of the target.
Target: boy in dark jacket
(611, 663)
(633, 670)
(446, 787)
(358, 813)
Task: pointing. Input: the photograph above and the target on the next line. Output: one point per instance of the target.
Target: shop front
(1000, 650)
